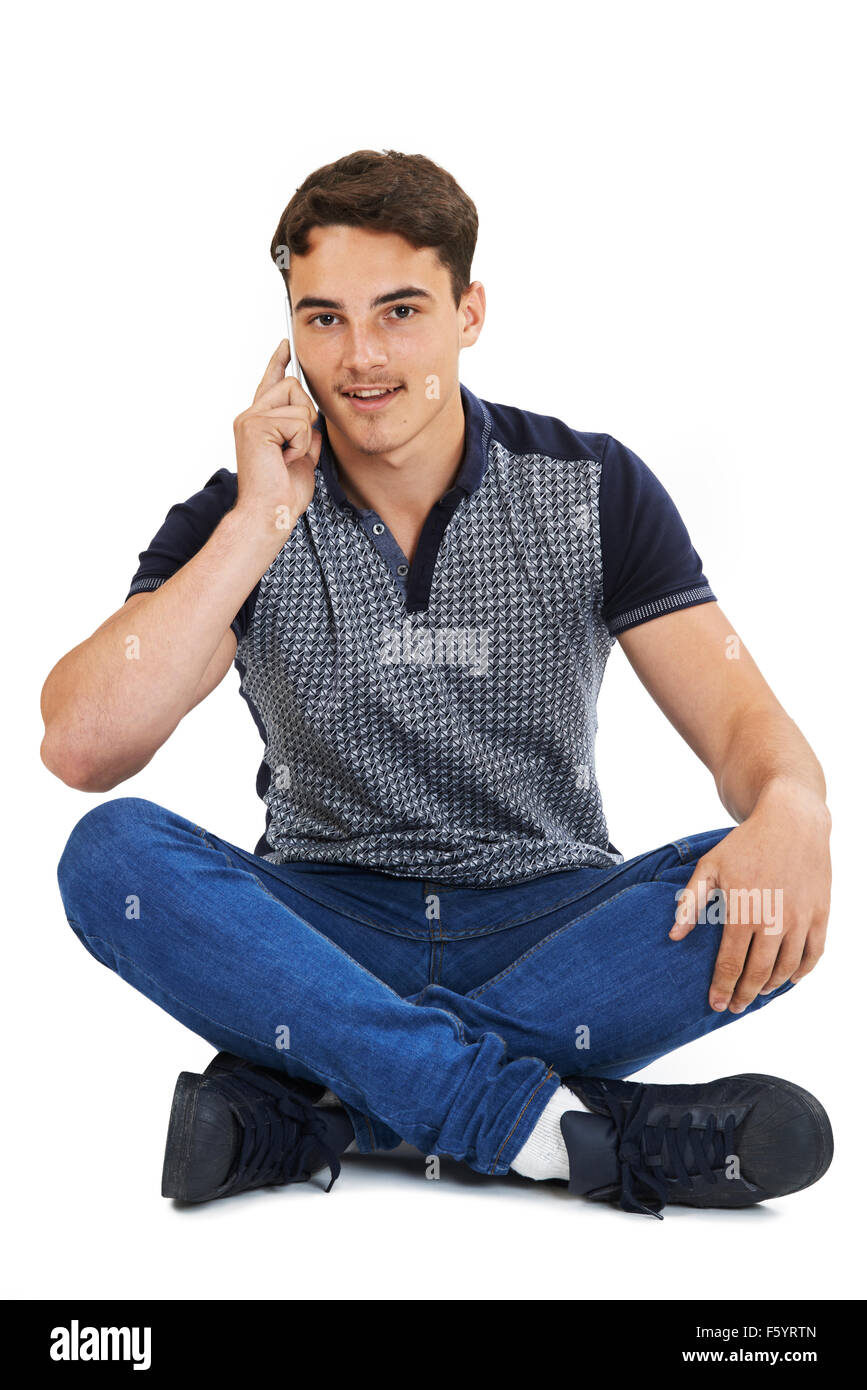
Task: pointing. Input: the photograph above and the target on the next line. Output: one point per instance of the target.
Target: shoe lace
(282, 1142)
(654, 1156)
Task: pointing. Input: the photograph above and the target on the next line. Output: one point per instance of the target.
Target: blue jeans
(441, 1015)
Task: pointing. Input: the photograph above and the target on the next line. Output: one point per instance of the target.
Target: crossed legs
(228, 948)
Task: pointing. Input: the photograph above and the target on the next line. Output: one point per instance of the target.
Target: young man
(435, 939)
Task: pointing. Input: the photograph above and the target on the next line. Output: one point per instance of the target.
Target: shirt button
(378, 528)
(403, 569)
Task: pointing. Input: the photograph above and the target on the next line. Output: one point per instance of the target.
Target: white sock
(329, 1099)
(544, 1154)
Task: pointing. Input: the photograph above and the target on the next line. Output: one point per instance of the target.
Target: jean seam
(686, 856)
(339, 911)
(441, 949)
(457, 935)
(479, 991)
(415, 934)
(421, 935)
(549, 1073)
(431, 932)
(309, 925)
(584, 893)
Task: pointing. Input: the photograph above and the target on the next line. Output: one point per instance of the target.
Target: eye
(404, 312)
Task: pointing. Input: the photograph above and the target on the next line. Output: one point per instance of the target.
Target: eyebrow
(407, 292)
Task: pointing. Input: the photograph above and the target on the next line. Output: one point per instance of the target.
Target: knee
(103, 840)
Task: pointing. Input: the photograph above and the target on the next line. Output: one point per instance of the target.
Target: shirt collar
(474, 461)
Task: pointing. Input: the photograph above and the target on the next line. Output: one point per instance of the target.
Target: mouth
(367, 398)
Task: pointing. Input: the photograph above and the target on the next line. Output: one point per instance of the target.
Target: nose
(363, 351)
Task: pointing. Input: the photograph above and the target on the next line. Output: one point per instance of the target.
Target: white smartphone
(294, 365)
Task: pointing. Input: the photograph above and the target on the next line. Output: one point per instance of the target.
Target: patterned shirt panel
(438, 720)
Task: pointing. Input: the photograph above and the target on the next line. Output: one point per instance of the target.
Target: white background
(672, 244)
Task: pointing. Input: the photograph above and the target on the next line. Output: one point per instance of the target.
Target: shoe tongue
(591, 1144)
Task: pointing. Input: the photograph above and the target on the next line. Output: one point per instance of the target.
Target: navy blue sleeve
(185, 530)
(649, 565)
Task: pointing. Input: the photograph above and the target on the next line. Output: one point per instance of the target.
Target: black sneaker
(241, 1126)
(727, 1143)
(227, 1062)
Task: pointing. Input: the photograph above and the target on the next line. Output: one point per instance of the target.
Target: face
(370, 311)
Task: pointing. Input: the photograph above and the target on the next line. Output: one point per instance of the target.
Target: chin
(380, 443)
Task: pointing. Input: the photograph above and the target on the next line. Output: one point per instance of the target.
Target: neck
(404, 482)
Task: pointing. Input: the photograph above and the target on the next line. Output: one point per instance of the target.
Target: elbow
(73, 766)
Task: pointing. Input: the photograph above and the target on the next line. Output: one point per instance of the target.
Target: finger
(283, 412)
(293, 427)
(759, 965)
(309, 448)
(692, 898)
(302, 446)
(275, 370)
(250, 421)
(787, 961)
(316, 445)
(813, 951)
(729, 964)
(287, 391)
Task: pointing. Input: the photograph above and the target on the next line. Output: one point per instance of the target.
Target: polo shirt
(437, 720)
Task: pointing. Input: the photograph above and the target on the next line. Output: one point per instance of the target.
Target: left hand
(779, 857)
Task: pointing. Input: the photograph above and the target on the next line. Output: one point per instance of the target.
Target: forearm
(112, 701)
(767, 752)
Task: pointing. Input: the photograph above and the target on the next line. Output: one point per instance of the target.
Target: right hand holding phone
(277, 448)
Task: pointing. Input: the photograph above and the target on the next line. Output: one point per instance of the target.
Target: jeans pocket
(692, 847)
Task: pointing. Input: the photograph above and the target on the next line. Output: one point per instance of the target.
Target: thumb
(692, 900)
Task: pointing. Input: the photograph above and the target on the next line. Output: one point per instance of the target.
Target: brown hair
(384, 191)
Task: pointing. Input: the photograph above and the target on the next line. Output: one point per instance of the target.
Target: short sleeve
(185, 530)
(649, 564)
